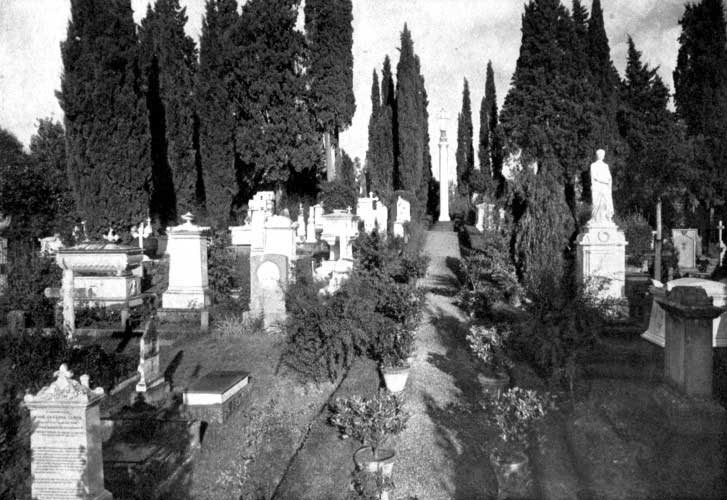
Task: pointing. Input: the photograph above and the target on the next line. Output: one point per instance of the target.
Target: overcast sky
(453, 38)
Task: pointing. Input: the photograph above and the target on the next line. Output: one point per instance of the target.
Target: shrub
(638, 233)
(489, 278)
(488, 346)
(28, 277)
(370, 421)
(515, 413)
(337, 195)
(237, 325)
(221, 271)
(563, 322)
(97, 316)
(394, 257)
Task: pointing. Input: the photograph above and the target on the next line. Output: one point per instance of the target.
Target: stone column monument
(443, 168)
(601, 255)
(66, 440)
(187, 248)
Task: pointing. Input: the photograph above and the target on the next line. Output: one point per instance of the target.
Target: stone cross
(142, 232)
(722, 246)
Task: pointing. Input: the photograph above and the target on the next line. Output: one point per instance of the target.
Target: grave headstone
(403, 216)
(150, 375)
(480, 224)
(716, 290)
(279, 237)
(688, 347)
(50, 245)
(268, 283)
(365, 212)
(381, 218)
(310, 229)
(686, 241)
(300, 228)
(188, 281)
(3, 265)
(65, 442)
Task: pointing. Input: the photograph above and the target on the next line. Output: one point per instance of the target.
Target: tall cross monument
(443, 168)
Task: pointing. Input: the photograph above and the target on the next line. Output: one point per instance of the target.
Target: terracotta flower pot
(512, 473)
(494, 385)
(395, 378)
(383, 460)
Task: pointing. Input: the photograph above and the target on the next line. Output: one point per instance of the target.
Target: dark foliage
(490, 147)
(465, 154)
(274, 132)
(107, 130)
(169, 63)
(381, 155)
(28, 276)
(216, 116)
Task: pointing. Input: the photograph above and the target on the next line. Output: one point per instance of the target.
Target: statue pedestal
(601, 259)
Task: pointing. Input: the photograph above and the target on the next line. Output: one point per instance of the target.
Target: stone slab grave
(65, 441)
(403, 216)
(215, 396)
(688, 246)
(655, 333)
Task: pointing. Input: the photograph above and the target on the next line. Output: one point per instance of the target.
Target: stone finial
(65, 388)
(111, 236)
(187, 218)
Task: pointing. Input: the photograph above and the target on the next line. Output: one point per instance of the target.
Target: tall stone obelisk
(443, 168)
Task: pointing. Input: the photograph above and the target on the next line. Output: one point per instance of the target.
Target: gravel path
(442, 454)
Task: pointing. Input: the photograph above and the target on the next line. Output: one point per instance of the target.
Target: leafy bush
(370, 421)
(489, 278)
(369, 486)
(337, 195)
(563, 322)
(221, 271)
(488, 346)
(515, 413)
(97, 316)
(392, 257)
(638, 233)
(28, 277)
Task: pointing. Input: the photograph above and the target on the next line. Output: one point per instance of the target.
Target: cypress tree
(373, 155)
(603, 72)
(488, 127)
(387, 130)
(107, 131)
(700, 81)
(274, 133)
(465, 151)
(169, 59)
(408, 118)
(428, 184)
(216, 115)
(330, 70)
(657, 165)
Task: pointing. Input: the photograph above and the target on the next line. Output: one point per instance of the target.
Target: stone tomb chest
(714, 289)
(102, 272)
(216, 396)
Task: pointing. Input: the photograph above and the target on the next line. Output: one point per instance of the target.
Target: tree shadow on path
(462, 427)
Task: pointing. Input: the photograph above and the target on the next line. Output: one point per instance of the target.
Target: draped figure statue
(602, 207)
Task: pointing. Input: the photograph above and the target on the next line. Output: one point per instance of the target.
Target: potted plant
(395, 346)
(514, 413)
(371, 422)
(488, 346)
(367, 486)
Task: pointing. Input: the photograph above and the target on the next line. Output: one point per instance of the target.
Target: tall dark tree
(169, 64)
(700, 81)
(48, 157)
(603, 71)
(373, 155)
(107, 131)
(409, 103)
(387, 130)
(465, 155)
(429, 184)
(488, 129)
(215, 111)
(330, 69)
(274, 133)
(658, 160)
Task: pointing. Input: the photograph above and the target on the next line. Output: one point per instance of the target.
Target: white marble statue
(602, 208)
